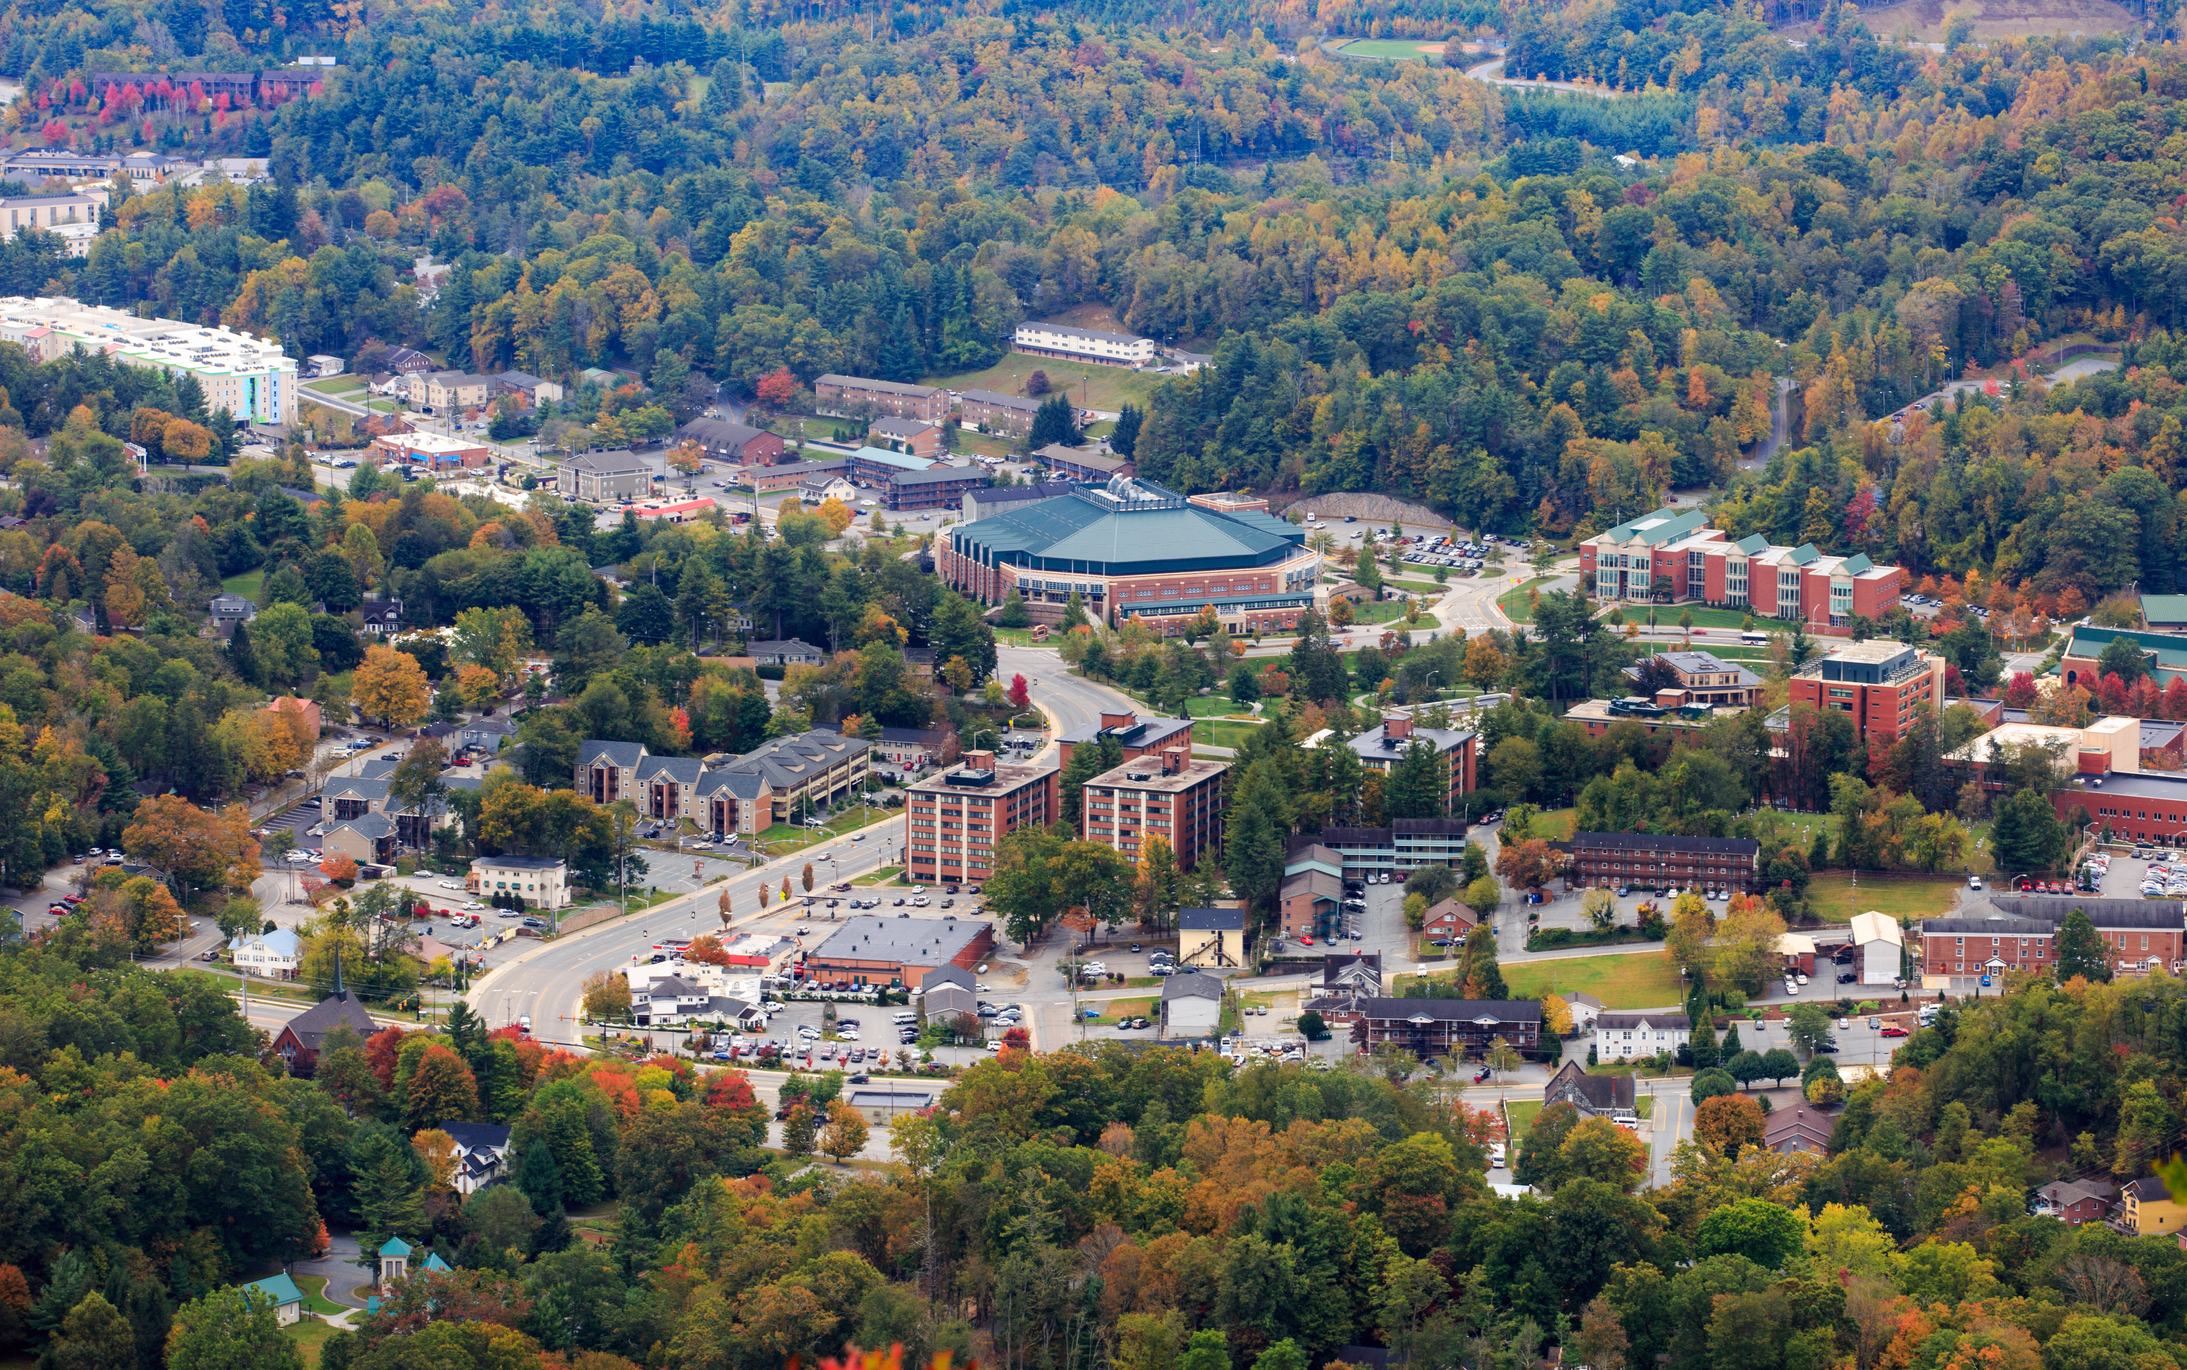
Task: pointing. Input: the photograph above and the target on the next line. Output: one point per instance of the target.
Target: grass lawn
(1091, 385)
(849, 821)
(310, 1336)
(315, 1298)
(1020, 637)
(973, 444)
(245, 583)
(1904, 897)
(885, 875)
(1116, 1009)
(1418, 587)
(1553, 823)
(1389, 49)
(1214, 706)
(1522, 1113)
(1517, 606)
(1640, 979)
(1388, 611)
(339, 385)
(1221, 732)
(1667, 616)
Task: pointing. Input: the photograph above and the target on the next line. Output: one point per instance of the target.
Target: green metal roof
(2170, 649)
(1080, 532)
(1857, 564)
(1803, 554)
(2164, 608)
(280, 1289)
(1751, 544)
(900, 460)
(1659, 526)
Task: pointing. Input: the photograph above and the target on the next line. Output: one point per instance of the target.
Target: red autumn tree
(776, 387)
(2020, 690)
(1020, 696)
(380, 1051)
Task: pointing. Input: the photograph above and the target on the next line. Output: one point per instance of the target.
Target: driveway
(339, 1266)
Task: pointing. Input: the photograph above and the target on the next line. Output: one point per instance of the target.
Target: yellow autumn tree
(390, 686)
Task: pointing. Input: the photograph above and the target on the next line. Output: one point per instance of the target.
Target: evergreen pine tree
(241, 657)
(540, 1179)
(1732, 1045)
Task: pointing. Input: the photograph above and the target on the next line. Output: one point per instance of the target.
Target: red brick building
(996, 413)
(1673, 556)
(1166, 795)
(954, 819)
(1652, 861)
(1138, 737)
(2020, 932)
(870, 951)
(1879, 685)
(841, 394)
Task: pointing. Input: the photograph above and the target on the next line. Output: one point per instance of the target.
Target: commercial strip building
(1659, 861)
(915, 436)
(1880, 685)
(1167, 795)
(1083, 344)
(1132, 549)
(872, 951)
(1673, 556)
(604, 477)
(449, 392)
(430, 450)
(844, 395)
(542, 881)
(245, 375)
(726, 794)
(954, 819)
(2019, 932)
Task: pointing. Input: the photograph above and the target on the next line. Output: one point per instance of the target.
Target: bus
(1754, 639)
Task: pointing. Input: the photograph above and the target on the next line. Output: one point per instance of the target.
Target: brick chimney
(1174, 759)
(979, 761)
(1397, 729)
(1118, 720)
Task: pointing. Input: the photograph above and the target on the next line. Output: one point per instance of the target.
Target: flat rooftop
(900, 941)
(1138, 775)
(995, 779)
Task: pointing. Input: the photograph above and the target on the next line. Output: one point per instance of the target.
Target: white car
(474, 907)
(1790, 988)
(451, 884)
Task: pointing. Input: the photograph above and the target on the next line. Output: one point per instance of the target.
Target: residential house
(486, 734)
(2147, 1209)
(483, 1151)
(1798, 1129)
(407, 361)
(226, 613)
(301, 1037)
(382, 617)
(668, 1001)
(305, 709)
(1595, 1096)
(668, 786)
(785, 652)
(909, 749)
(1586, 1008)
(279, 1292)
(818, 490)
(948, 992)
(1192, 1005)
(1447, 923)
(1358, 972)
(1620, 1036)
(2074, 1202)
(1211, 937)
(1881, 940)
(530, 389)
(1309, 904)
(274, 955)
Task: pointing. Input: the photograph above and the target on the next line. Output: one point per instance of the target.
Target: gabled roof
(2149, 1190)
(1191, 987)
(368, 825)
(1640, 841)
(1453, 1010)
(336, 1010)
(684, 770)
(621, 755)
(1652, 1022)
(1878, 927)
(616, 462)
(947, 975)
(280, 1290)
(396, 1246)
(468, 1135)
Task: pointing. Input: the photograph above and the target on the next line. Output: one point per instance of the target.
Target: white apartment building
(243, 374)
(72, 218)
(1083, 344)
(542, 880)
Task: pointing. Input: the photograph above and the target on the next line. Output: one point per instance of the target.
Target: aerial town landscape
(1404, 686)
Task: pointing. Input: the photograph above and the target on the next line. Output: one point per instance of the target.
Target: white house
(1881, 943)
(1192, 1005)
(274, 955)
(1619, 1035)
(282, 1293)
(542, 880)
(482, 1151)
(667, 1001)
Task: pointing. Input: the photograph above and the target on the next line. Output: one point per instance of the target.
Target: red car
(1894, 1031)
(1306, 941)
